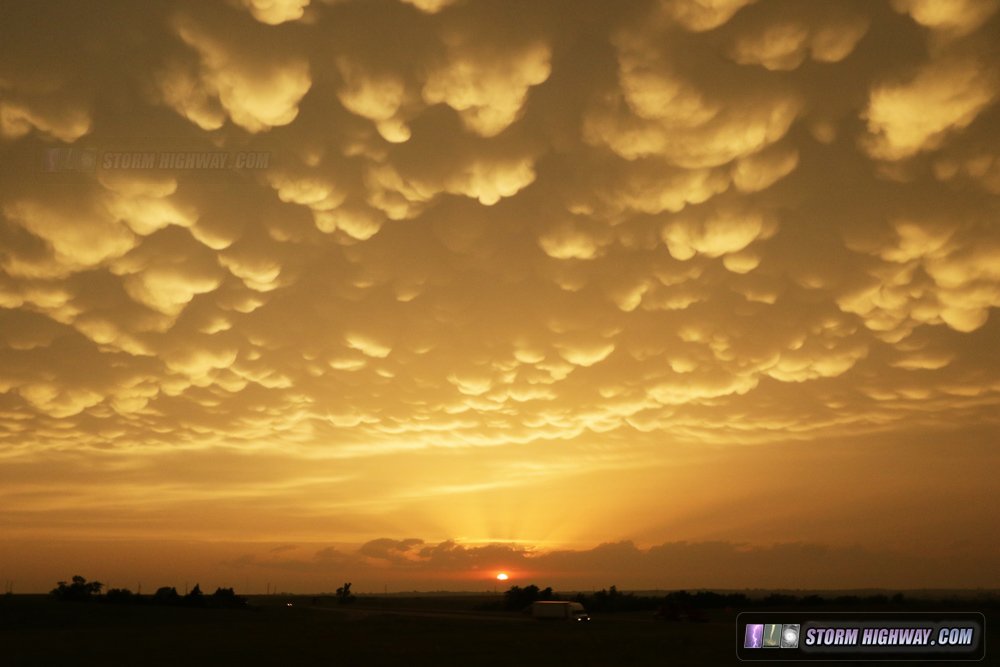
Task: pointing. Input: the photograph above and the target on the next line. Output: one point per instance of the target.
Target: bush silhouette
(344, 594)
(195, 598)
(79, 590)
(517, 598)
(227, 597)
(120, 596)
(166, 595)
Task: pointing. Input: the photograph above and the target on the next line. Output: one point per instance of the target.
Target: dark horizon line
(750, 592)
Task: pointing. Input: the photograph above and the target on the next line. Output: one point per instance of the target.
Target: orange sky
(659, 294)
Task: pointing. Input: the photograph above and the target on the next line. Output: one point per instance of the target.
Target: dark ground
(35, 630)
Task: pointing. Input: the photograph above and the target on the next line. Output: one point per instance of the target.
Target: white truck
(566, 611)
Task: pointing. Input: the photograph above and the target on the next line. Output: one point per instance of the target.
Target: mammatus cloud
(700, 15)
(692, 198)
(555, 239)
(276, 12)
(18, 119)
(957, 18)
(488, 90)
(258, 93)
(950, 94)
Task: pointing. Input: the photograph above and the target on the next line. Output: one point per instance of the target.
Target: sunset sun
(502, 576)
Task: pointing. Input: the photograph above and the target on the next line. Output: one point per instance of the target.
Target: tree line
(81, 590)
(682, 605)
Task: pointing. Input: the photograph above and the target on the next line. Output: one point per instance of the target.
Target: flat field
(35, 630)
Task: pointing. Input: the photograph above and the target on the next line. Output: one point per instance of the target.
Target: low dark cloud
(672, 565)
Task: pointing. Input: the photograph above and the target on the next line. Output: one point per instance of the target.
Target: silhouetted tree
(166, 595)
(227, 597)
(80, 589)
(606, 600)
(195, 598)
(683, 606)
(517, 598)
(344, 594)
(120, 596)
